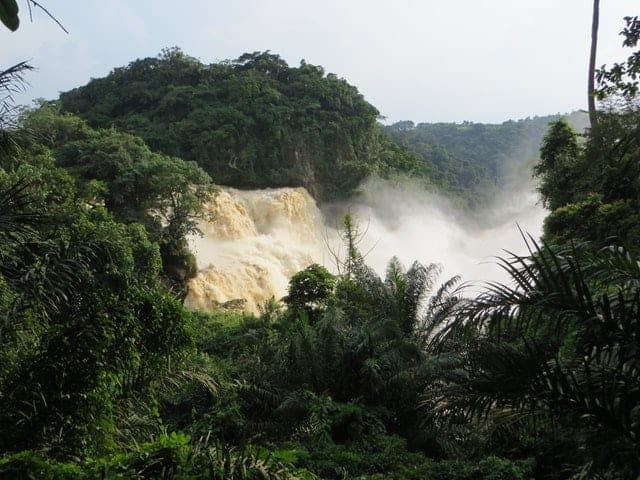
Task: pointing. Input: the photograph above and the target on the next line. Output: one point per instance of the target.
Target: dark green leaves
(9, 14)
(622, 78)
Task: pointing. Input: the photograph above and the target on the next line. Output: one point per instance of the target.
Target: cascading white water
(257, 241)
(260, 238)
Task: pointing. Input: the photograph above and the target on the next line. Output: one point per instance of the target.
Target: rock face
(256, 242)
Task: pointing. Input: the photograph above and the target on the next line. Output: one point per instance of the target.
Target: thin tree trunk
(592, 64)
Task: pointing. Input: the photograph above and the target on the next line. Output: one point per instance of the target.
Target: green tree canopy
(252, 122)
(118, 170)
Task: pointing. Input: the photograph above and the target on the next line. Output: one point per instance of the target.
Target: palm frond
(18, 220)
(12, 82)
(562, 339)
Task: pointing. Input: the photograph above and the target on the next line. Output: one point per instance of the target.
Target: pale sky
(420, 60)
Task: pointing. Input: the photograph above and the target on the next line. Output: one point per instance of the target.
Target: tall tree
(592, 63)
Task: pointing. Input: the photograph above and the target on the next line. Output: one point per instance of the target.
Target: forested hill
(478, 158)
(253, 122)
(257, 122)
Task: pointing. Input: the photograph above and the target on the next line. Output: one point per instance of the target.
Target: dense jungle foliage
(104, 374)
(602, 204)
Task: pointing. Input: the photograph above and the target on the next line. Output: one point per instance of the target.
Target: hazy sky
(421, 60)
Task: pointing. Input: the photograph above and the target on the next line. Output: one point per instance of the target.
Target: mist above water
(261, 238)
(417, 225)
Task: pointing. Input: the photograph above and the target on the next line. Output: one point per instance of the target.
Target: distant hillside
(477, 158)
(250, 123)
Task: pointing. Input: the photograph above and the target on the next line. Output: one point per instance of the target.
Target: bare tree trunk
(592, 64)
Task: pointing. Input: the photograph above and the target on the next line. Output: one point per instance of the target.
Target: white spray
(417, 225)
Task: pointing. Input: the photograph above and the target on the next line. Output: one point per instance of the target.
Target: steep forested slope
(250, 123)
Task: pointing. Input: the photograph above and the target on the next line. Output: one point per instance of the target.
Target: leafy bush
(386, 457)
(28, 465)
(170, 457)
